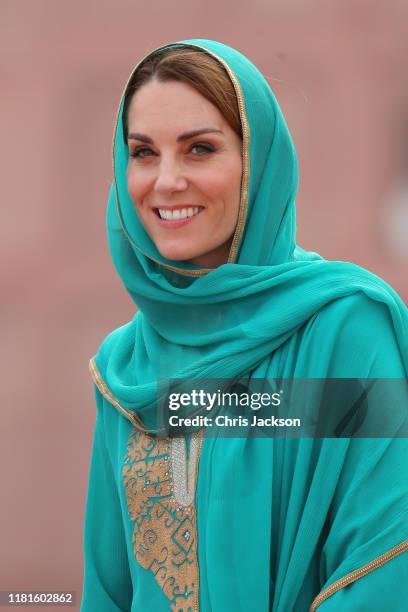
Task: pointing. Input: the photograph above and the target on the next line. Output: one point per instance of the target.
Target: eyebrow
(181, 138)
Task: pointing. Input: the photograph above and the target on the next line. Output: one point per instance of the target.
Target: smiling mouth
(179, 213)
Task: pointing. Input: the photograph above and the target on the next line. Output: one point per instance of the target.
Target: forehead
(172, 104)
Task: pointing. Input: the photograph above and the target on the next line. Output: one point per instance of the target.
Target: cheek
(131, 184)
(223, 183)
(226, 186)
(137, 186)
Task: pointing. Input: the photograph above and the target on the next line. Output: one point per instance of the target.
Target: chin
(175, 253)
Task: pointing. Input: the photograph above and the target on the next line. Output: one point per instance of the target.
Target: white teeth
(181, 213)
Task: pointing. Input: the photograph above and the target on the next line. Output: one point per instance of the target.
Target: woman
(201, 227)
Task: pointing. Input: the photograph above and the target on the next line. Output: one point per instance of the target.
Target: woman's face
(184, 172)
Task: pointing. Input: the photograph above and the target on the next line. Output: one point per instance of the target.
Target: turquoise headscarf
(200, 323)
(279, 520)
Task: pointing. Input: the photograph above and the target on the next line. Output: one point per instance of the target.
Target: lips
(176, 216)
(178, 213)
(176, 207)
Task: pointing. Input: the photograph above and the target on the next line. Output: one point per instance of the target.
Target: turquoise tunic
(244, 524)
(302, 515)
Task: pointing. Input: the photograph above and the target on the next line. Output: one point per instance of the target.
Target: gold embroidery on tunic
(165, 525)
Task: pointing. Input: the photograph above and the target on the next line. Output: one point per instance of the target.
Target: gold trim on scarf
(165, 528)
(358, 573)
(243, 206)
(103, 388)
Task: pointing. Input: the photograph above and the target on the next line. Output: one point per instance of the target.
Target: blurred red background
(339, 72)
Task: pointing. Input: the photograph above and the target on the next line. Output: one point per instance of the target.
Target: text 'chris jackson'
(226, 421)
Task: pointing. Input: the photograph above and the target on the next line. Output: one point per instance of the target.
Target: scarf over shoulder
(275, 521)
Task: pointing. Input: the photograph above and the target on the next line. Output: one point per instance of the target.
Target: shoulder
(361, 336)
(358, 312)
(116, 343)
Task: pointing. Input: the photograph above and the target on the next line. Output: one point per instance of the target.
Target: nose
(170, 177)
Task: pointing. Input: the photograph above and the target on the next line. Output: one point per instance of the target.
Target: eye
(141, 152)
(202, 148)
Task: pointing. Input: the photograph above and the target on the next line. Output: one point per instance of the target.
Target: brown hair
(194, 67)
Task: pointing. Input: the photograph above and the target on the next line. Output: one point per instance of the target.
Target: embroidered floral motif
(164, 515)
